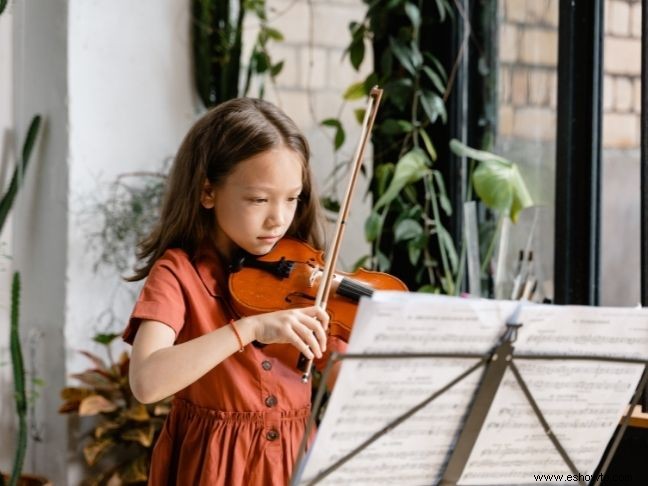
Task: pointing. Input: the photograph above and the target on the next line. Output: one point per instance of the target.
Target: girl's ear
(207, 196)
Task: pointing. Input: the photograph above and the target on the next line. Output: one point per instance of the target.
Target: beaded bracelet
(238, 336)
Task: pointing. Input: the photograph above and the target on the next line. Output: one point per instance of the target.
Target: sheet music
(572, 330)
(371, 393)
(581, 400)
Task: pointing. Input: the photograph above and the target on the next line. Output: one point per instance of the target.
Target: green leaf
(502, 188)
(354, 92)
(403, 54)
(428, 144)
(409, 169)
(414, 249)
(435, 78)
(479, 155)
(428, 288)
(356, 53)
(446, 241)
(497, 181)
(417, 57)
(442, 193)
(361, 262)
(359, 114)
(340, 136)
(407, 229)
(414, 14)
(373, 225)
(433, 106)
(492, 181)
(441, 8)
(18, 175)
(330, 203)
(382, 174)
(439, 67)
(383, 262)
(399, 92)
(274, 34)
(370, 81)
(105, 338)
(276, 69)
(521, 197)
(262, 62)
(394, 127)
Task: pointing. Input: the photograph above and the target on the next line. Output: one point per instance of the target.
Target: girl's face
(256, 203)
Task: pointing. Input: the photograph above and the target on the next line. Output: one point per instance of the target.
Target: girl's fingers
(317, 327)
(304, 340)
(321, 315)
(295, 339)
(306, 333)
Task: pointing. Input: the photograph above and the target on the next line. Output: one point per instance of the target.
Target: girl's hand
(304, 328)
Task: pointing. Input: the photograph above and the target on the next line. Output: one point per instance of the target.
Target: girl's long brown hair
(226, 135)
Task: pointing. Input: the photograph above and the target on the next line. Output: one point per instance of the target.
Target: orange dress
(243, 421)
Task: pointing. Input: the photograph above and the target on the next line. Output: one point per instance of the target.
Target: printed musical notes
(582, 400)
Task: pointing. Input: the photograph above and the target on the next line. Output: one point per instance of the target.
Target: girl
(240, 181)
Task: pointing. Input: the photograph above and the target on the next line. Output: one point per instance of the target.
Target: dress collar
(212, 270)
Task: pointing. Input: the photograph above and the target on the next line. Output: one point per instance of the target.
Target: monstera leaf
(497, 181)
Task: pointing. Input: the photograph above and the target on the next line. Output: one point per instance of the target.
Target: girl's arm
(158, 368)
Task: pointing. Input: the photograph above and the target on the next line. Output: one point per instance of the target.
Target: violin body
(288, 277)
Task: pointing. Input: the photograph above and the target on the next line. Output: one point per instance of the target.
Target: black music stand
(496, 362)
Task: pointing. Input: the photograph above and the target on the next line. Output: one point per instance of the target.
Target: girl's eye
(258, 200)
(294, 199)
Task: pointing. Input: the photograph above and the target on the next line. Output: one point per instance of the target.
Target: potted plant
(119, 445)
(16, 477)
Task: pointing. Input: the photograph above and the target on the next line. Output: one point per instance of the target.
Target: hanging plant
(217, 40)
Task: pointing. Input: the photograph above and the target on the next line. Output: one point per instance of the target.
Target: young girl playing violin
(240, 181)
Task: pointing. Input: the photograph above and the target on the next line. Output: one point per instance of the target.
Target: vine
(406, 227)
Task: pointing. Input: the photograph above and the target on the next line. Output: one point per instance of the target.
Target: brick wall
(310, 87)
(528, 43)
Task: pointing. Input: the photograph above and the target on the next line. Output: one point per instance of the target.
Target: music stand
(495, 363)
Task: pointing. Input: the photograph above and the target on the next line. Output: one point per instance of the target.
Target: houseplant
(20, 395)
(408, 226)
(119, 445)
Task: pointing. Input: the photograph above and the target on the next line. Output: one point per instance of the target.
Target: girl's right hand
(304, 328)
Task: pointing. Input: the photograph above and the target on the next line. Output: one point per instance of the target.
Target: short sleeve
(161, 299)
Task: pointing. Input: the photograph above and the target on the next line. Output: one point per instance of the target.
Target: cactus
(10, 195)
(14, 341)
(19, 381)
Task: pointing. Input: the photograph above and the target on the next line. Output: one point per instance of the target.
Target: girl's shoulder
(173, 258)
(205, 266)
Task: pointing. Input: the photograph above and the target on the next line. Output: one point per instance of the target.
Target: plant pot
(29, 480)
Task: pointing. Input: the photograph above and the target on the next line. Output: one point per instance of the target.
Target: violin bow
(332, 255)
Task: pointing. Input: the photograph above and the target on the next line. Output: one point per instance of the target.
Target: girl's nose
(277, 216)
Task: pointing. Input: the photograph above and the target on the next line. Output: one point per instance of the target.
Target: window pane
(526, 132)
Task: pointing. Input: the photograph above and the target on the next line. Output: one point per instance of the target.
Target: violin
(289, 277)
(302, 271)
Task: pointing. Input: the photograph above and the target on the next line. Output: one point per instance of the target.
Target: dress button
(272, 434)
(266, 365)
(270, 401)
